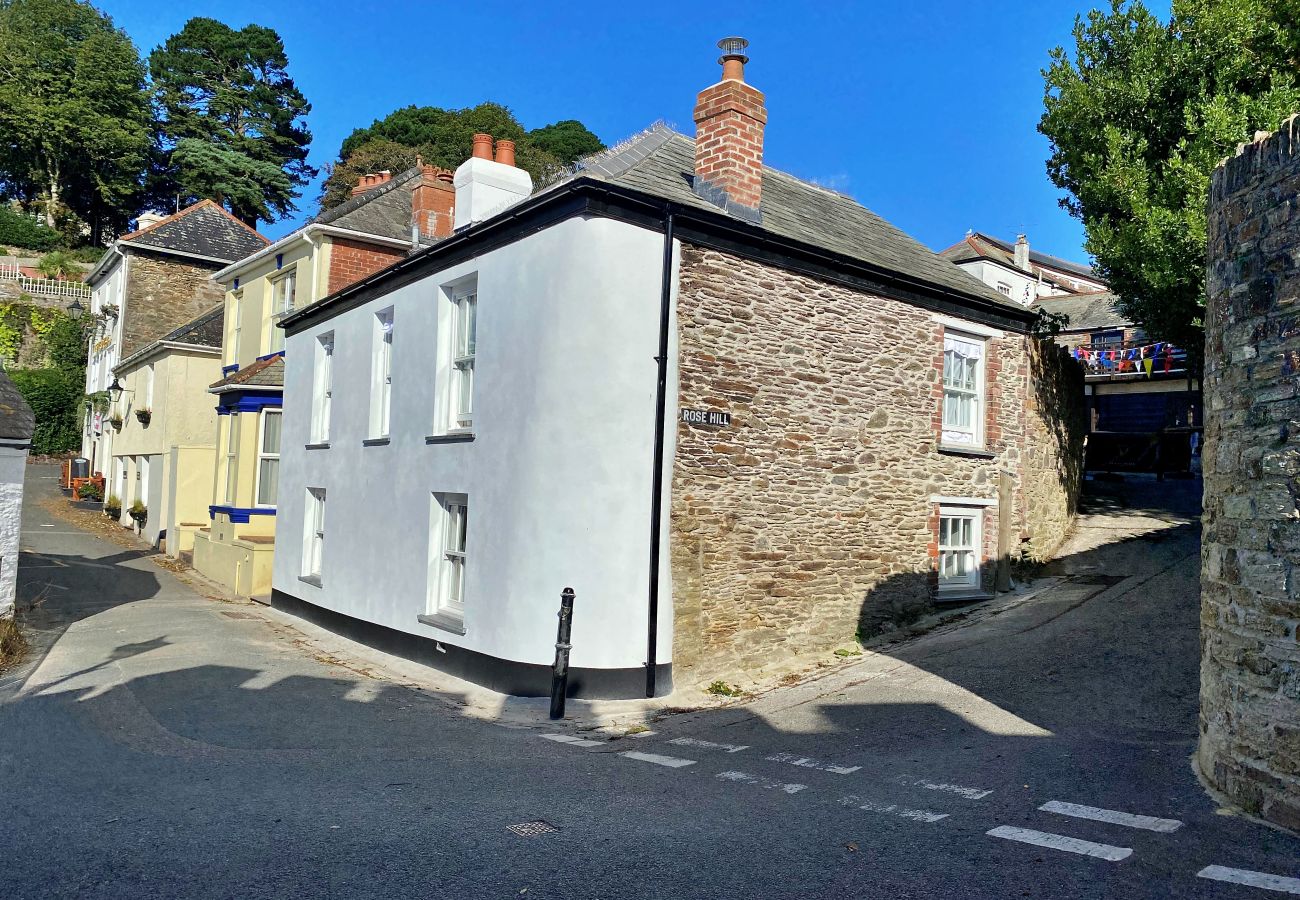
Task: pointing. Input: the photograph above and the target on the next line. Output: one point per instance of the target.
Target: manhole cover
(532, 829)
(237, 615)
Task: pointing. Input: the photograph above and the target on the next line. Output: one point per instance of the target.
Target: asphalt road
(159, 744)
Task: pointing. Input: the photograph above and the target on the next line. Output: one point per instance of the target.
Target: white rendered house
(16, 426)
(668, 381)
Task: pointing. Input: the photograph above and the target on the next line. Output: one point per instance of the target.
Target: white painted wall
(558, 476)
(110, 289)
(13, 466)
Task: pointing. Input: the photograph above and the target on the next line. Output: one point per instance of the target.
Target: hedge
(17, 230)
(56, 397)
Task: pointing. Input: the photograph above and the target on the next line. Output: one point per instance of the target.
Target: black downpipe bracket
(657, 476)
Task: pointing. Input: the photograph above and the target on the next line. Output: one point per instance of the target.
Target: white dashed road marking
(746, 778)
(708, 745)
(1060, 842)
(671, 762)
(806, 763)
(571, 740)
(917, 815)
(969, 793)
(1150, 823)
(1251, 879)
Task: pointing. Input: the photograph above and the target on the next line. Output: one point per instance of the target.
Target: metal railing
(1129, 359)
(54, 288)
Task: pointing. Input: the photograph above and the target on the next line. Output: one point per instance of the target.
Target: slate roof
(1087, 312)
(661, 162)
(16, 420)
(265, 373)
(384, 210)
(206, 330)
(204, 229)
(982, 246)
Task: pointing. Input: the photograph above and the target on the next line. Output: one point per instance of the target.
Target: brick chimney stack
(729, 121)
(433, 203)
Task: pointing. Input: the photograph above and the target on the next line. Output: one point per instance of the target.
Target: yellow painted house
(162, 456)
(386, 218)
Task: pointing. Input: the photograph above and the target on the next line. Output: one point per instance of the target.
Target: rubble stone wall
(812, 517)
(1250, 553)
(163, 293)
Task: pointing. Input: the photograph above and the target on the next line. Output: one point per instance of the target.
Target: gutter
(304, 233)
(657, 474)
(157, 347)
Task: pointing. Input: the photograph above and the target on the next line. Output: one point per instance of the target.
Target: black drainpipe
(657, 476)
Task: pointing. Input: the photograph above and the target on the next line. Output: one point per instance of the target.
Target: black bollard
(560, 671)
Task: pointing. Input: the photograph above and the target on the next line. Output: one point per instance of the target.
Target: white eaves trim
(963, 501)
(157, 348)
(967, 327)
(306, 233)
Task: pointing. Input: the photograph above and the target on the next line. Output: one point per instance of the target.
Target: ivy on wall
(44, 352)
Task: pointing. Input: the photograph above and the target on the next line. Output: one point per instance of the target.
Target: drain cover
(532, 829)
(237, 615)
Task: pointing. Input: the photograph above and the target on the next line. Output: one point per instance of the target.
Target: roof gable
(204, 229)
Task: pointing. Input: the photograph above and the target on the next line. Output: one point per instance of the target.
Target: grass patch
(845, 652)
(636, 729)
(12, 643)
(722, 689)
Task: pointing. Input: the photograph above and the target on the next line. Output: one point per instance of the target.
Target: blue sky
(924, 111)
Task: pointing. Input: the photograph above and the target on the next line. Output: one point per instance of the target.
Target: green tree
(231, 122)
(1139, 117)
(445, 137)
(73, 110)
(567, 141)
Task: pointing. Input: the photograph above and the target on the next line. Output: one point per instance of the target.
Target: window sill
(958, 450)
(964, 595)
(375, 442)
(444, 621)
(313, 580)
(451, 437)
(323, 445)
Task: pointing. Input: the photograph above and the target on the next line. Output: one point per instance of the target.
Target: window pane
(268, 475)
(271, 432)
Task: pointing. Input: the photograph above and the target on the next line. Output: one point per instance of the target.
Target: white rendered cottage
(16, 427)
(739, 414)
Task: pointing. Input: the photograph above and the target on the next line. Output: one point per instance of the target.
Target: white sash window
(963, 390)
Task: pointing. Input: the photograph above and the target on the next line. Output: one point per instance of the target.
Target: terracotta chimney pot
(483, 146)
(506, 153)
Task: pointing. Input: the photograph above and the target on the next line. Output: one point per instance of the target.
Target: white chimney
(486, 186)
(1022, 253)
(145, 219)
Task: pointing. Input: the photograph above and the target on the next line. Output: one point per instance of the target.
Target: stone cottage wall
(809, 518)
(1250, 552)
(162, 293)
(1056, 422)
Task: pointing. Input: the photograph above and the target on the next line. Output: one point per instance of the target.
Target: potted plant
(88, 495)
(116, 421)
(143, 416)
(113, 507)
(139, 513)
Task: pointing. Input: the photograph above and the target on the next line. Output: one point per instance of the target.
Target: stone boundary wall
(1250, 580)
(810, 518)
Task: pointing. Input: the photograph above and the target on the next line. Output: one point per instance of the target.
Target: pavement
(160, 743)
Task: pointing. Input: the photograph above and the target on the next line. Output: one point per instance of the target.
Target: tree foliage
(445, 137)
(54, 384)
(231, 122)
(1139, 116)
(74, 112)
